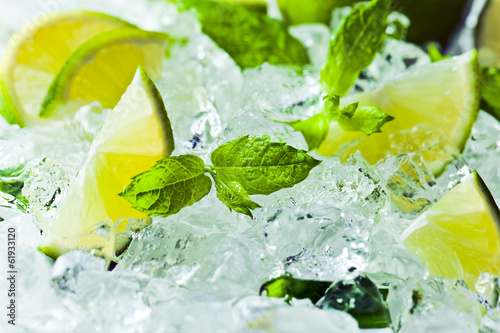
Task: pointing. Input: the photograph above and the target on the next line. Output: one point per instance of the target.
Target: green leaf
(361, 299)
(367, 119)
(261, 166)
(314, 129)
(490, 90)
(435, 55)
(234, 196)
(172, 184)
(249, 37)
(287, 285)
(354, 45)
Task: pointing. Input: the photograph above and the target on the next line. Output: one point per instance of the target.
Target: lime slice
(37, 53)
(101, 68)
(135, 135)
(488, 35)
(442, 95)
(458, 237)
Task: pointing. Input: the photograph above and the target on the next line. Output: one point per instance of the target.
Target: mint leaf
(354, 45)
(367, 119)
(249, 37)
(287, 285)
(348, 111)
(490, 91)
(435, 55)
(233, 195)
(172, 184)
(260, 166)
(314, 129)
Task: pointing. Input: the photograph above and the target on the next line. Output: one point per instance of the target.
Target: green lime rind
(154, 95)
(56, 94)
(475, 100)
(100, 15)
(491, 205)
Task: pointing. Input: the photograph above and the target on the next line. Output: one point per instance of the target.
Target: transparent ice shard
(491, 322)
(201, 88)
(46, 187)
(16, 146)
(316, 39)
(482, 152)
(283, 93)
(395, 57)
(353, 185)
(67, 268)
(315, 242)
(433, 305)
(302, 319)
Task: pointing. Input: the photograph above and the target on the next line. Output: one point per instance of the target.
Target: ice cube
(433, 305)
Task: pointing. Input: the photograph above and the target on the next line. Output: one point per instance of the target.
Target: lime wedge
(37, 53)
(101, 68)
(458, 237)
(444, 96)
(134, 136)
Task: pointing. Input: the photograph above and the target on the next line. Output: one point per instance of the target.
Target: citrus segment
(459, 237)
(35, 55)
(119, 152)
(100, 69)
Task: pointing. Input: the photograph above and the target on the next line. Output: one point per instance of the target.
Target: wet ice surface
(201, 269)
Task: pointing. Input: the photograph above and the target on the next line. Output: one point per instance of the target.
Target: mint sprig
(242, 167)
(366, 119)
(249, 37)
(354, 45)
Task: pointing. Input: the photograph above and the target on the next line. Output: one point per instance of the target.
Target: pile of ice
(201, 269)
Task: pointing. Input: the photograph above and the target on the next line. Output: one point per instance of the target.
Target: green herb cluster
(243, 167)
